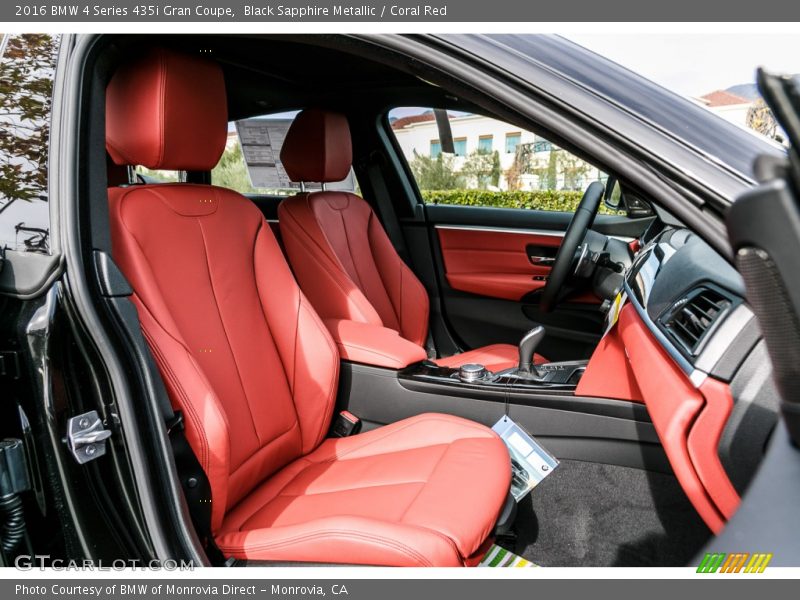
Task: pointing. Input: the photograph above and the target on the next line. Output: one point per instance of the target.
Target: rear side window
(27, 70)
(489, 163)
(251, 162)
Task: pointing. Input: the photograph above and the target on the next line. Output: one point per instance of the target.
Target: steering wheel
(576, 232)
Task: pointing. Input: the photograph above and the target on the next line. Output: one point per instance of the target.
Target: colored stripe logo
(500, 557)
(736, 562)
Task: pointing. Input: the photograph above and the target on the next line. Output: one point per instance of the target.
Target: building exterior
(418, 134)
(728, 105)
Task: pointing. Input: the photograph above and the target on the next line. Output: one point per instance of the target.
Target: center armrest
(373, 345)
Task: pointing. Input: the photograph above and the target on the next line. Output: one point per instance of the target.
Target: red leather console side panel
(492, 263)
(373, 345)
(704, 441)
(673, 404)
(609, 373)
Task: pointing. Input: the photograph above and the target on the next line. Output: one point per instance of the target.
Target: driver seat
(339, 252)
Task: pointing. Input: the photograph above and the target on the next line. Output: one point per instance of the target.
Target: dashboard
(695, 350)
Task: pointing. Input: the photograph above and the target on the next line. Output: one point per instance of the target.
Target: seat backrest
(241, 351)
(338, 249)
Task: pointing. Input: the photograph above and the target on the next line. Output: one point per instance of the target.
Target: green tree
(572, 169)
(231, 171)
(436, 173)
(496, 169)
(26, 90)
(482, 167)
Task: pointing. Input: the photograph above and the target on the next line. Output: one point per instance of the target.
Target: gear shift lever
(527, 347)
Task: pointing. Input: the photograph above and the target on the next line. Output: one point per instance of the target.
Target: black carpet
(596, 515)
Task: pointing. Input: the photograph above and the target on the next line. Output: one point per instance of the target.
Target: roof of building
(723, 98)
(402, 122)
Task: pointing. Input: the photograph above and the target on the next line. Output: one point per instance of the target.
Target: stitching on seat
(333, 533)
(350, 252)
(189, 407)
(225, 331)
(332, 387)
(427, 481)
(332, 273)
(399, 429)
(380, 275)
(261, 304)
(282, 494)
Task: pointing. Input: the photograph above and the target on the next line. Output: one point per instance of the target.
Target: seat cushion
(495, 357)
(421, 492)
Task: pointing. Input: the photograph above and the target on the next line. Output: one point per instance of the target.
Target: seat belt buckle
(175, 423)
(346, 424)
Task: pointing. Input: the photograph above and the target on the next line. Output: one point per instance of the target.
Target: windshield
(732, 125)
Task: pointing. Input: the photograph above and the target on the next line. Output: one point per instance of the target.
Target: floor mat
(596, 515)
(500, 557)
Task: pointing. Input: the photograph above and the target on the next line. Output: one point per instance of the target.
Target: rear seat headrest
(167, 110)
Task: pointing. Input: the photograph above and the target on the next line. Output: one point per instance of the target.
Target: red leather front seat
(247, 360)
(340, 253)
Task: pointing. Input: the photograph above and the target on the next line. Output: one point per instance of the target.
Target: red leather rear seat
(245, 357)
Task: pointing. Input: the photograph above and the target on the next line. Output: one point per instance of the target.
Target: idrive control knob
(472, 372)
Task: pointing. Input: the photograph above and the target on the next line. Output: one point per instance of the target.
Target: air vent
(692, 317)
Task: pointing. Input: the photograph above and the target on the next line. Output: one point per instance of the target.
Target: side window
(27, 70)
(491, 163)
(251, 162)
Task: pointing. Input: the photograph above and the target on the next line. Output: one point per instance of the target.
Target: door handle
(542, 261)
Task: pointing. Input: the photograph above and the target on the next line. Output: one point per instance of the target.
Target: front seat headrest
(167, 110)
(318, 147)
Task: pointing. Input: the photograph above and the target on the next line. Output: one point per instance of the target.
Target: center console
(560, 376)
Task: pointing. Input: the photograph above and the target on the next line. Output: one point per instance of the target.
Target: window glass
(159, 176)
(486, 143)
(523, 170)
(27, 70)
(512, 142)
(251, 162)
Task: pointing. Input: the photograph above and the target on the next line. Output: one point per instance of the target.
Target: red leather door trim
(673, 404)
(704, 441)
(493, 263)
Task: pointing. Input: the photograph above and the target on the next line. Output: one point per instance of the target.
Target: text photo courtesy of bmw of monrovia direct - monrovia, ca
(343, 10)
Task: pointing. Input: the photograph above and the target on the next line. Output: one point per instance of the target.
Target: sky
(696, 64)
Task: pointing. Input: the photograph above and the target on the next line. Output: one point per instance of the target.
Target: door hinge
(86, 437)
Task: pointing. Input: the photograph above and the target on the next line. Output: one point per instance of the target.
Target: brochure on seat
(530, 462)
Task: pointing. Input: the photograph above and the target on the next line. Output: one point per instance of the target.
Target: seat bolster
(344, 539)
(320, 275)
(204, 417)
(408, 296)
